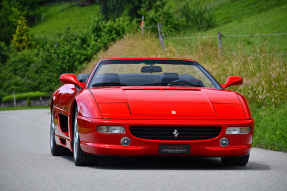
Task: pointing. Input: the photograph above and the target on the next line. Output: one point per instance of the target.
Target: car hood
(167, 103)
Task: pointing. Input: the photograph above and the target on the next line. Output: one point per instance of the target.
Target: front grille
(170, 132)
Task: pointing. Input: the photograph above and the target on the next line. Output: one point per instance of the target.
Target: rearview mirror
(232, 81)
(71, 79)
(151, 69)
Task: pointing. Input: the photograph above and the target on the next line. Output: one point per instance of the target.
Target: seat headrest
(110, 77)
(168, 77)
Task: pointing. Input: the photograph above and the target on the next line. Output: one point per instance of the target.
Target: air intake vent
(63, 141)
(175, 132)
(63, 122)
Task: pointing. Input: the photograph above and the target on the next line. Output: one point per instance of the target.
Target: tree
(21, 39)
(3, 53)
(10, 10)
(8, 21)
(112, 9)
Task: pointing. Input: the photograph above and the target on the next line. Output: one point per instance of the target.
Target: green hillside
(273, 21)
(60, 18)
(232, 18)
(260, 58)
(232, 10)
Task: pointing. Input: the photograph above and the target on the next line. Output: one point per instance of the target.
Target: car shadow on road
(169, 163)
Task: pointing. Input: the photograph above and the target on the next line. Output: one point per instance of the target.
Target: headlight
(111, 129)
(237, 130)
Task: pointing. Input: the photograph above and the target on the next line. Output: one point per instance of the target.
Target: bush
(39, 69)
(23, 96)
(29, 102)
(3, 53)
(161, 13)
(197, 18)
(21, 39)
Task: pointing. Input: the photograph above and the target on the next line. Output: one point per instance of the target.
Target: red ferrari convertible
(143, 106)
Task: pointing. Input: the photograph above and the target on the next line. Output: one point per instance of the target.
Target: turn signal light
(111, 129)
(237, 130)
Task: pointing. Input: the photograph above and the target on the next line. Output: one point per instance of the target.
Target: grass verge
(270, 127)
(21, 108)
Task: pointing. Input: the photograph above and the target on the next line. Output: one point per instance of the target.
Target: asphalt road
(27, 164)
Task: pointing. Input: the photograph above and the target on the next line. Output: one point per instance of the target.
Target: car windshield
(151, 73)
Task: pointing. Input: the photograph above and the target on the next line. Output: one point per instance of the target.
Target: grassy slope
(269, 22)
(270, 122)
(264, 76)
(60, 18)
(227, 11)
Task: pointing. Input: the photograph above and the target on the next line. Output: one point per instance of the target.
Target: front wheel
(235, 161)
(80, 157)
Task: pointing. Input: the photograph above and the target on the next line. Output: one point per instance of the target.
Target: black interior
(141, 79)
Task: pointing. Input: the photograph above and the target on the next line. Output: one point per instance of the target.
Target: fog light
(111, 129)
(224, 142)
(237, 130)
(125, 141)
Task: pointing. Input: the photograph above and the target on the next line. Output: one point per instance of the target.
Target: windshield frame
(155, 61)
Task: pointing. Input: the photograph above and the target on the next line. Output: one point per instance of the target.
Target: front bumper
(110, 144)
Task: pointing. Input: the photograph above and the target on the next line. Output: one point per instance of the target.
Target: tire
(235, 161)
(56, 150)
(80, 157)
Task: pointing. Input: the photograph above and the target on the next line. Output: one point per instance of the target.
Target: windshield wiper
(154, 84)
(194, 83)
(108, 84)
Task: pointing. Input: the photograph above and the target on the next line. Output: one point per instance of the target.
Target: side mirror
(71, 79)
(232, 81)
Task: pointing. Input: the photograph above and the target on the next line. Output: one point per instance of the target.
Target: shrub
(28, 95)
(21, 39)
(197, 18)
(39, 69)
(3, 53)
(162, 13)
(29, 102)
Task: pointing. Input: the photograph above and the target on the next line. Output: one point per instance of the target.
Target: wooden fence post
(219, 40)
(142, 25)
(142, 31)
(43, 16)
(14, 99)
(160, 36)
